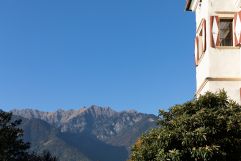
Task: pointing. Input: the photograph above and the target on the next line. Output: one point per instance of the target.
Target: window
(226, 32)
(222, 31)
(200, 41)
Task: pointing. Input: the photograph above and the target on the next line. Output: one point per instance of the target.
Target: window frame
(200, 41)
(222, 15)
(232, 31)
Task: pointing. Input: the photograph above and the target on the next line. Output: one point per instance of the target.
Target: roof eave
(188, 4)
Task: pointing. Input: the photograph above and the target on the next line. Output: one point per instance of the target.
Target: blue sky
(126, 54)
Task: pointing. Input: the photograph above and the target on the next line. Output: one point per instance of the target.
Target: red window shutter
(196, 50)
(214, 30)
(240, 92)
(204, 35)
(234, 30)
(237, 28)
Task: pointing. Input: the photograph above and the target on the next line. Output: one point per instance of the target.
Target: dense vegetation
(12, 146)
(205, 129)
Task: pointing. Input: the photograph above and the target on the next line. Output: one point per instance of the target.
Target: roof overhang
(191, 5)
(188, 3)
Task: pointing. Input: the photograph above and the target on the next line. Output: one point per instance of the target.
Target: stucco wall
(222, 5)
(224, 63)
(202, 70)
(230, 87)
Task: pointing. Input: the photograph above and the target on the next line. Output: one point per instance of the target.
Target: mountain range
(86, 134)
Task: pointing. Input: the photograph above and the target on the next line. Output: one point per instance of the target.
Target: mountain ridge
(98, 126)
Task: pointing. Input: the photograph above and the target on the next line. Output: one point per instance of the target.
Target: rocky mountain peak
(84, 128)
(98, 111)
(103, 122)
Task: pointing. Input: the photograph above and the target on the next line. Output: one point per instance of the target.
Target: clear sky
(126, 54)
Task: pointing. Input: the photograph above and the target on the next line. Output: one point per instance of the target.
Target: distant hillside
(87, 134)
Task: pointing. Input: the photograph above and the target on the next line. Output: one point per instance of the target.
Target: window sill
(227, 47)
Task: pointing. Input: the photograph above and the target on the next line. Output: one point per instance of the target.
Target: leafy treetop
(207, 128)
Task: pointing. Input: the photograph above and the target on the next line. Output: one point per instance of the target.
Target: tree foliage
(205, 129)
(12, 146)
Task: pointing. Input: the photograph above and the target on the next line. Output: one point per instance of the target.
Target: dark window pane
(226, 38)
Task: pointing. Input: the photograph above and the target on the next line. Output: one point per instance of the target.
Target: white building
(217, 46)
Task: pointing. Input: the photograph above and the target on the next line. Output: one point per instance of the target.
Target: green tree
(205, 129)
(12, 146)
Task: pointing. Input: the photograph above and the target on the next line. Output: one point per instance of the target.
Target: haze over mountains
(86, 134)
